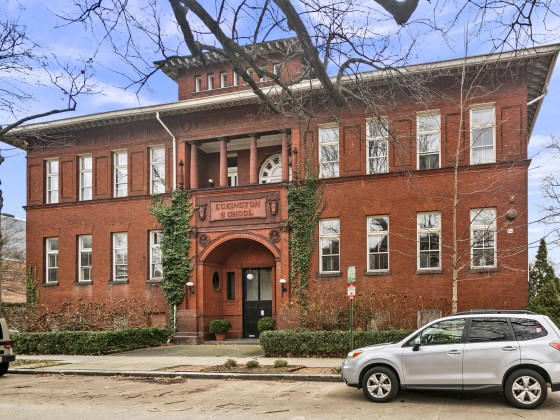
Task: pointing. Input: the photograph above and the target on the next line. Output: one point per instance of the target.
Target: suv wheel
(3, 368)
(380, 384)
(526, 388)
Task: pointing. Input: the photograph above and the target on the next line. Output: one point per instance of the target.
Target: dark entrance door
(257, 298)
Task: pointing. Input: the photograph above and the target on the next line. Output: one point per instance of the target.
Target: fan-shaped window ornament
(271, 170)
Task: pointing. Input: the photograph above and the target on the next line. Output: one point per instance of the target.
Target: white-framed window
(483, 238)
(197, 83)
(51, 197)
(223, 79)
(377, 146)
(51, 263)
(210, 82)
(328, 151)
(329, 239)
(271, 170)
(378, 243)
(156, 268)
(157, 170)
(428, 130)
(86, 178)
(429, 240)
(84, 257)
(120, 256)
(120, 173)
(276, 69)
(235, 78)
(251, 74)
(483, 134)
(263, 77)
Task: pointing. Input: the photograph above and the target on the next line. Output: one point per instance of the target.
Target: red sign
(351, 292)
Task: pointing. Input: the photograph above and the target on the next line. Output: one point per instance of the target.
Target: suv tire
(4, 368)
(526, 388)
(380, 384)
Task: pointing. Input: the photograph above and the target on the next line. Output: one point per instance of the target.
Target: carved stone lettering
(238, 209)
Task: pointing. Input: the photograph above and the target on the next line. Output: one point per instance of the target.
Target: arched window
(271, 170)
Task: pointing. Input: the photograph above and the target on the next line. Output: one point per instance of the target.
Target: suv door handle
(509, 348)
(454, 352)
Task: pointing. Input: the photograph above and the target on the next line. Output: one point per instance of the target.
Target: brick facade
(243, 228)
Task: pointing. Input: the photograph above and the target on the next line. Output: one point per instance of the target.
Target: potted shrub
(266, 323)
(219, 327)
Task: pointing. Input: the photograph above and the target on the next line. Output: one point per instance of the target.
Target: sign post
(351, 294)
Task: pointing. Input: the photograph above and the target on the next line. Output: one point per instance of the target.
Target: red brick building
(423, 181)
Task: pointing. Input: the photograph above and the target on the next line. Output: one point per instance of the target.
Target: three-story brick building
(423, 183)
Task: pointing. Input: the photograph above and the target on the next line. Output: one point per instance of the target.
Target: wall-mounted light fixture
(250, 276)
(283, 285)
(190, 285)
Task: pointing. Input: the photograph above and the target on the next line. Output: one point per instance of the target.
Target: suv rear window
(527, 329)
(489, 329)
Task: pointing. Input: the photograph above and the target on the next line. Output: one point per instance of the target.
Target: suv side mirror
(417, 342)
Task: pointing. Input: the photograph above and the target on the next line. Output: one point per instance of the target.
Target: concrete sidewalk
(159, 361)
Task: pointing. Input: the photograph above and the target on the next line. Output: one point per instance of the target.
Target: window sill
(154, 281)
(377, 273)
(333, 274)
(83, 283)
(50, 284)
(124, 281)
(475, 270)
(430, 271)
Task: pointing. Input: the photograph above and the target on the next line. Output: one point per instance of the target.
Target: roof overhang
(539, 61)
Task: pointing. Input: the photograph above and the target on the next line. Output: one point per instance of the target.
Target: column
(194, 165)
(285, 157)
(223, 162)
(253, 169)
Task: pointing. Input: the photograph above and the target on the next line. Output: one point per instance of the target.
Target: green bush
(266, 323)
(303, 343)
(230, 363)
(219, 326)
(252, 364)
(88, 342)
(278, 363)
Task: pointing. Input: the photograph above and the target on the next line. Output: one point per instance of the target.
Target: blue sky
(75, 42)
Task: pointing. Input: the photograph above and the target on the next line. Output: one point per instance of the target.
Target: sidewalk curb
(188, 375)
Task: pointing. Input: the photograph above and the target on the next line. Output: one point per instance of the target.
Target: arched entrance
(239, 274)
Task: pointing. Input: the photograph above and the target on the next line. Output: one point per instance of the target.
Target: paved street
(83, 397)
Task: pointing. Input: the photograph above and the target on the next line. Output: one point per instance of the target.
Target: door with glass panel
(257, 298)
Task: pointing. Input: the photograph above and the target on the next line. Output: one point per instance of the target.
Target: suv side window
(527, 329)
(449, 331)
(489, 329)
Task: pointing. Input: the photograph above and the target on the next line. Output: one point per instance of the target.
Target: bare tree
(550, 188)
(23, 67)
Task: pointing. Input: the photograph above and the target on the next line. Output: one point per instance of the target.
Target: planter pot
(220, 336)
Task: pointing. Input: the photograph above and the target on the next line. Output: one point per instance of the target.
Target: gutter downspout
(538, 98)
(174, 151)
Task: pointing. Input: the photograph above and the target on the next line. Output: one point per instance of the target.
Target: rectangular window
(378, 243)
(428, 137)
(377, 146)
(328, 151)
(157, 172)
(429, 240)
(232, 170)
(197, 83)
(483, 237)
(251, 73)
(230, 286)
(276, 69)
(223, 79)
(120, 256)
(156, 269)
(210, 82)
(235, 79)
(86, 179)
(483, 134)
(52, 181)
(52, 260)
(329, 238)
(120, 174)
(84, 257)
(263, 77)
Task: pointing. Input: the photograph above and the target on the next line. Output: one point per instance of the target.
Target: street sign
(351, 291)
(351, 274)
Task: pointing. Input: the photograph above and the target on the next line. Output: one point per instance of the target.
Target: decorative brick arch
(230, 236)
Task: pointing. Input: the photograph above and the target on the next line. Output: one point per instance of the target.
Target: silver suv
(517, 352)
(6, 352)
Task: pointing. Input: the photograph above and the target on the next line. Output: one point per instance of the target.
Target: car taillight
(8, 344)
(556, 345)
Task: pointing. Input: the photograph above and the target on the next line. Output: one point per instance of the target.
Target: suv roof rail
(495, 311)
